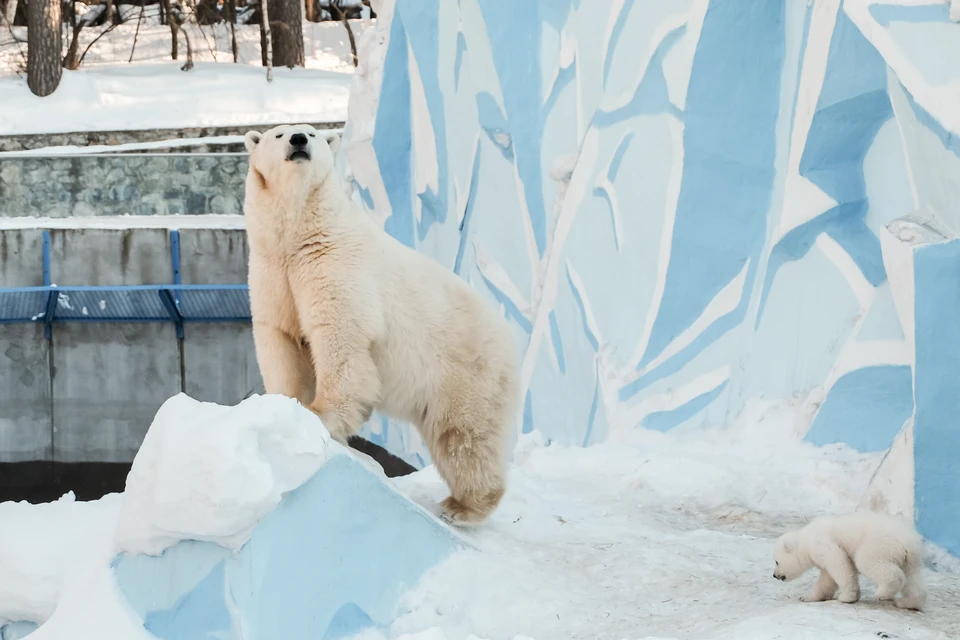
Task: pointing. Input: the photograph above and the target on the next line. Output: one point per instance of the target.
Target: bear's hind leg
(889, 579)
(473, 464)
(873, 559)
(914, 594)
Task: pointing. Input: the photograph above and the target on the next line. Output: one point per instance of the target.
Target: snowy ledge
(139, 97)
(127, 147)
(921, 44)
(204, 221)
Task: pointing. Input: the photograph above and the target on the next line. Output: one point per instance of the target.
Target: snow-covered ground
(161, 96)
(648, 536)
(108, 93)
(326, 45)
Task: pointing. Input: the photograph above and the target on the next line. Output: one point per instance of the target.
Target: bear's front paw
(849, 597)
(813, 597)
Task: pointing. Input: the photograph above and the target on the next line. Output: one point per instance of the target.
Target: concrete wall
(684, 208)
(220, 364)
(110, 379)
(26, 417)
(90, 393)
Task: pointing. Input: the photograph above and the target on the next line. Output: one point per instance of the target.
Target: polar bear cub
(348, 320)
(886, 549)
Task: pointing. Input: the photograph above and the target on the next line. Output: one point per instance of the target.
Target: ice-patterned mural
(685, 206)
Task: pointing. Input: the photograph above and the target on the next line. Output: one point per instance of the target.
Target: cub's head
(289, 157)
(790, 561)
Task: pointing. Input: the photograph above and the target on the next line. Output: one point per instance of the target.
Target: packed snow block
(330, 560)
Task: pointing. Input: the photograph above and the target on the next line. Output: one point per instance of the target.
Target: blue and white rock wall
(684, 206)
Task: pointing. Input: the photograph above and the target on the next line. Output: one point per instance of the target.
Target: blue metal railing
(175, 302)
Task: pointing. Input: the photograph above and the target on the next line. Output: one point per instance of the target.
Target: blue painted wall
(679, 205)
(937, 430)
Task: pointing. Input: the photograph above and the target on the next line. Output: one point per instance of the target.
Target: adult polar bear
(385, 327)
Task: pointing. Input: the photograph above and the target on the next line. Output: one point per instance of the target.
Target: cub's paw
(814, 597)
(911, 604)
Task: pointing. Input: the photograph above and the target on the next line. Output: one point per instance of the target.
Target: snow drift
(244, 521)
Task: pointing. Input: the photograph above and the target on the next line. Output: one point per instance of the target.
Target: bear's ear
(250, 140)
(333, 141)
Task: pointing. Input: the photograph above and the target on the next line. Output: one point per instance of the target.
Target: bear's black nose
(298, 140)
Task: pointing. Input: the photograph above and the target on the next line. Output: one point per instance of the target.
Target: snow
(204, 221)
(209, 472)
(92, 608)
(326, 45)
(658, 535)
(42, 547)
(172, 143)
(647, 536)
(161, 96)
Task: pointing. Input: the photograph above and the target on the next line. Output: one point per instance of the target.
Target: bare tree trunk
(174, 25)
(143, 6)
(338, 12)
(44, 45)
(189, 63)
(353, 41)
(233, 29)
(10, 11)
(266, 39)
(72, 60)
(286, 24)
(108, 13)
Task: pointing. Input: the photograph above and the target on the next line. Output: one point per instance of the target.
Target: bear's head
(288, 158)
(790, 561)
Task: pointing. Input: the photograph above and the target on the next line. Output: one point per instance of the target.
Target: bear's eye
(279, 135)
(312, 135)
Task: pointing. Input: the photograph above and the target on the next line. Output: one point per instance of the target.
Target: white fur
(348, 320)
(886, 549)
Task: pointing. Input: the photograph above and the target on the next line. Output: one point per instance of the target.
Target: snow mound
(43, 546)
(237, 522)
(329, 561)
(211, 473)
